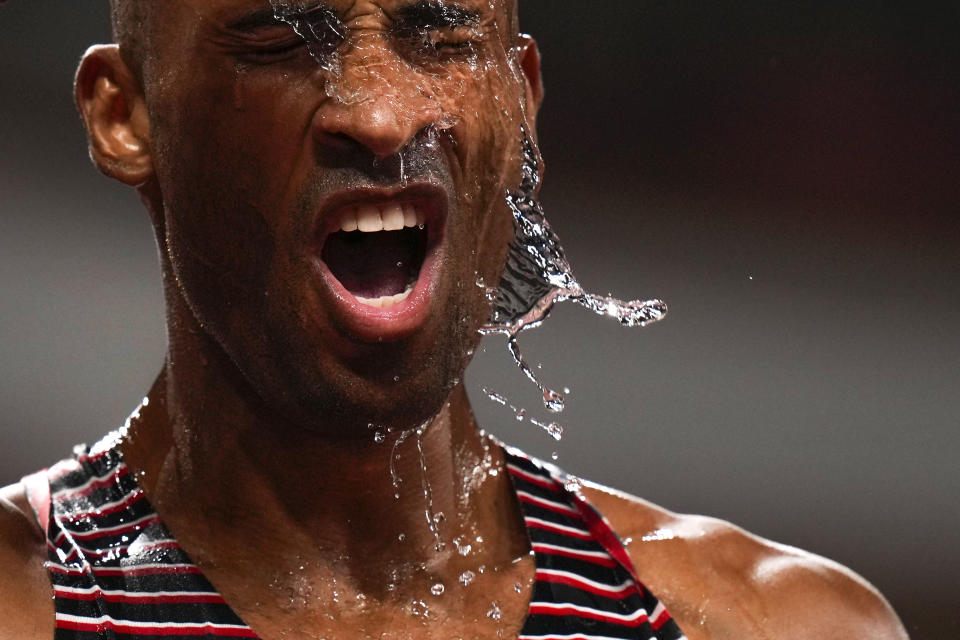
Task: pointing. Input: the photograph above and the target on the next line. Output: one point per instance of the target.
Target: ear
(529, 55)
(112, 106)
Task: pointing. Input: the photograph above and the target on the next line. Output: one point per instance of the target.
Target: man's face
(268, 153)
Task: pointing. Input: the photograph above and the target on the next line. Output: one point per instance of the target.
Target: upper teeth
(385, 217)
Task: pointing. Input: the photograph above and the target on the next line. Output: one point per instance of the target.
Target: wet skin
(249, 181)
(246, 150)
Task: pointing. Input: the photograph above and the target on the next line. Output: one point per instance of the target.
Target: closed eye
(437, 29)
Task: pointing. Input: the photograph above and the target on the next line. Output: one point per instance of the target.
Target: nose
(378, 102)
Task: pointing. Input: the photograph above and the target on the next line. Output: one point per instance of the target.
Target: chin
(348, 406)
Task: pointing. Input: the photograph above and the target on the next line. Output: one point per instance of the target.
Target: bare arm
(721, 582)
(26, 605)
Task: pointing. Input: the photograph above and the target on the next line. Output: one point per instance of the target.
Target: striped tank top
(118, 574)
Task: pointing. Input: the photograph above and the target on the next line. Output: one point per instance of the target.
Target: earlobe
(112, 107)
(530, 64)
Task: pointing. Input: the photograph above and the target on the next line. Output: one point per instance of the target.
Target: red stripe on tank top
(592, 557)
(137, 598)
(206, 629)
(638, 618)
(533, 479)
(572, 580)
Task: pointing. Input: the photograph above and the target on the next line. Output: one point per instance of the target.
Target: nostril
(337, 150)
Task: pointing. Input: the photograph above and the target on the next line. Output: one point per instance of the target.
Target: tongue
(372, 265)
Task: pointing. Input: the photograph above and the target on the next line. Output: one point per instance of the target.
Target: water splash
(537, 276)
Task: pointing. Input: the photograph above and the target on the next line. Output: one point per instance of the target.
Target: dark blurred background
(784, 175)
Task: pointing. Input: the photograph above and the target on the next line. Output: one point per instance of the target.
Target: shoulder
(26, 607)
(720, 581)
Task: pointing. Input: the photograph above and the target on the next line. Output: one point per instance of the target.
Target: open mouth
(376, 250)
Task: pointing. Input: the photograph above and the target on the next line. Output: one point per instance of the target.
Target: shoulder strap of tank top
(37, 487)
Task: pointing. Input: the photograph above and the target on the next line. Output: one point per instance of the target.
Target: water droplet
(467, 577)
(518, 587)
(553, 429)
(553, 401)
(402, 537)
(379, 437)
(572, 484)
(496, 397)
(419, 608)
(437, 589)
(463, 547)
(396, 378)
(554, 456)
(494, 613)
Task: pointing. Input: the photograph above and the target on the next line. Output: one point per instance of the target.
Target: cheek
(223, 166)
(222, 170)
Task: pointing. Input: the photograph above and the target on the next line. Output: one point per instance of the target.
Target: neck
(226, 475)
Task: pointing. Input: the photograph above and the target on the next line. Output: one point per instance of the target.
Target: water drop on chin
(379, 437)
(437, 589)
(554, 456)
(494, 613)
(467, 577)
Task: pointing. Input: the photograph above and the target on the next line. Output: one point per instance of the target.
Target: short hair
(129, 27)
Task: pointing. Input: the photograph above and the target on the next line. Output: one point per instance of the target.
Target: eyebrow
(434, 14)
(268, 17)
(257, 20)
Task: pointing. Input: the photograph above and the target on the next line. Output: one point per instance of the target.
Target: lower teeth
(386, 301)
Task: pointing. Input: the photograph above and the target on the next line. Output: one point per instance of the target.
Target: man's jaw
(379, 253)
